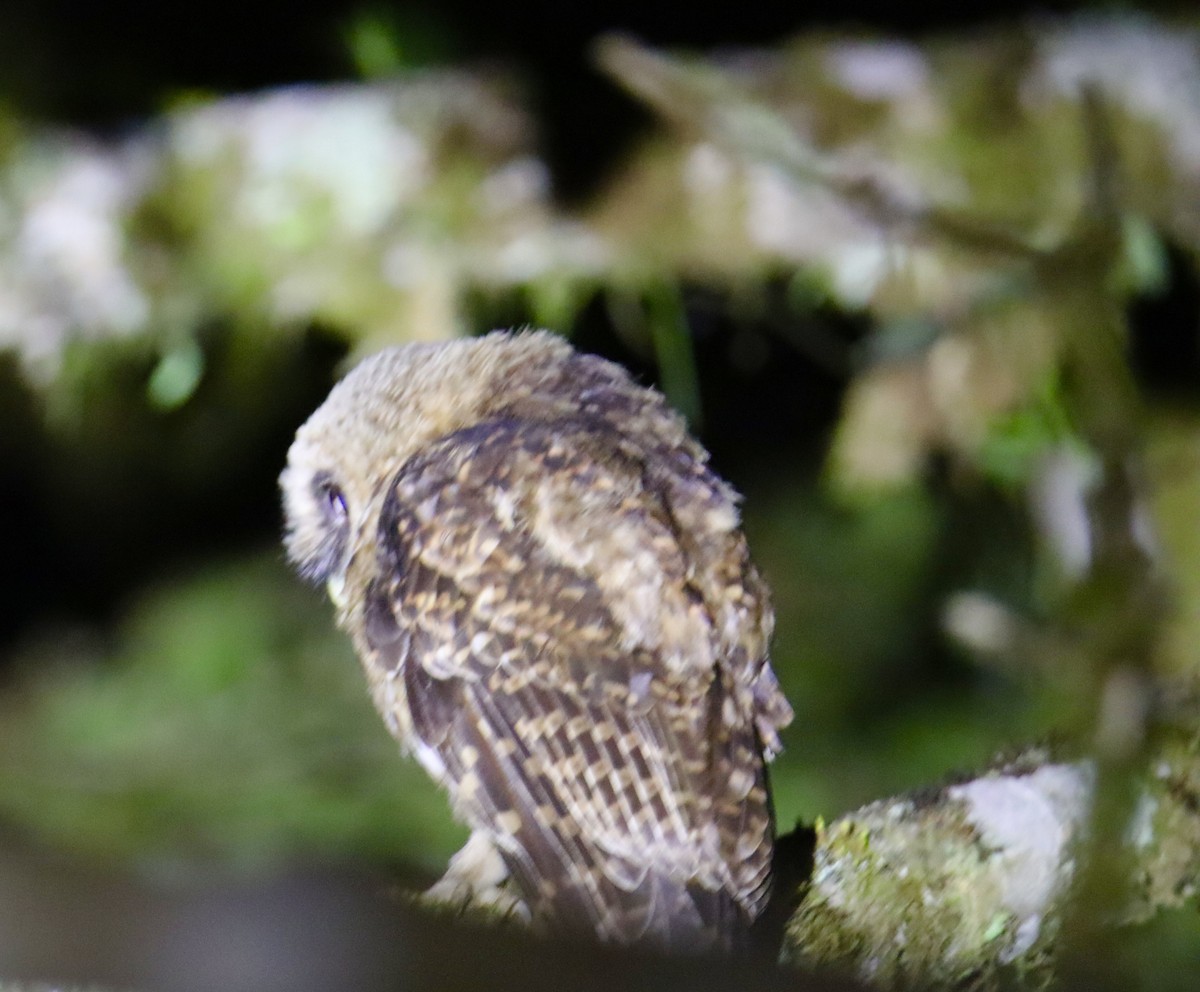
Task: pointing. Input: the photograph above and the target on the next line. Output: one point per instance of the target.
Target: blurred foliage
(384, 41)
(991, 208)
(223, 722)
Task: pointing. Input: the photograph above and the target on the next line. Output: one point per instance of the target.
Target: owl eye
(331, 500)
(335, 502)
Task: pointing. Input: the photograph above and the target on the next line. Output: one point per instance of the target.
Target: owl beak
(336, 587)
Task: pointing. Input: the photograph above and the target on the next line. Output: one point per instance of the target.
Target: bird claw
(477, 881)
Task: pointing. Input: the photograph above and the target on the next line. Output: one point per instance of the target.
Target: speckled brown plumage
(557, 614)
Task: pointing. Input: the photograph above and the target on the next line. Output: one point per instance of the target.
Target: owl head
(384, 411)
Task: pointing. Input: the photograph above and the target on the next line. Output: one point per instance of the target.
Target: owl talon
(477, 881)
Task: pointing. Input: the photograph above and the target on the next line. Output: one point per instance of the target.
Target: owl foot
(477, 883)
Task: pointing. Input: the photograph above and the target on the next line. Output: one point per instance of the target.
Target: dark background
(108, 64)
(92, 516)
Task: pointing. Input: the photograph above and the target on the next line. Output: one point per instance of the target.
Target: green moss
(903, 895)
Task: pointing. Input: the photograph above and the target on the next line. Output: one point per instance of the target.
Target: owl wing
(571, 681)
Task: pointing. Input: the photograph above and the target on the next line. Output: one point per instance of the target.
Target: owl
(558, 616)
